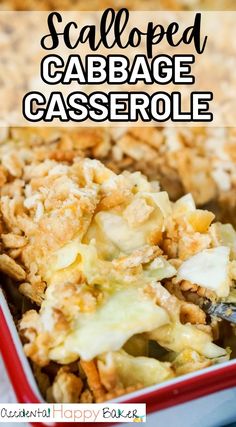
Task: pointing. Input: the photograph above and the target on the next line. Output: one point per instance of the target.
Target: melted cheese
(129, 370)
(177, 337)
(125, 313)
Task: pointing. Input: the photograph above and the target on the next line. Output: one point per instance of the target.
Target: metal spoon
(224, 310)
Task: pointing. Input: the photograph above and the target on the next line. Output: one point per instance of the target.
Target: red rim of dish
(169, 395)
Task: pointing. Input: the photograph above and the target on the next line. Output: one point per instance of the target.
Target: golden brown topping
(34, 292)
(66, 388)
(93, 379)
(191, 313)
(86, 396)
(11, 268)
(13, 164)
(12, 240)
(194, 172)
(140, 256)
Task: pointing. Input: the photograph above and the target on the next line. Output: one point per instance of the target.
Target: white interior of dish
(31, 380)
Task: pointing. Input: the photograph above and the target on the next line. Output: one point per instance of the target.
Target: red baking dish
(162, 396)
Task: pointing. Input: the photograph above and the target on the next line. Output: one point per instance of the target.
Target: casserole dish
(157, 398)
(109, 277)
